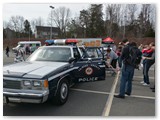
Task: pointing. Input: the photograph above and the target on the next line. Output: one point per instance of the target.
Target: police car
(49, 72)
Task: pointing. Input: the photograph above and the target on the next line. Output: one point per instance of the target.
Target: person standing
(7, 51)
(20, 55)
(147, 53)
(127, 71)
(27, 50)
(148, 61)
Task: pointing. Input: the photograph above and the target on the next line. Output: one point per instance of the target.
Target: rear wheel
(62, 92)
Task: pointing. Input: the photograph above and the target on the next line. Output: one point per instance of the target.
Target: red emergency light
(71, 41)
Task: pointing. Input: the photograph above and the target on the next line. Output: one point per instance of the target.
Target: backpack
(134, 57)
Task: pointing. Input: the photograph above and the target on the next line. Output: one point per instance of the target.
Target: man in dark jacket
(127, 71)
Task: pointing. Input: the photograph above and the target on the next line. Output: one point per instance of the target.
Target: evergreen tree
(96, 23)
(84, 21)
(27, 28)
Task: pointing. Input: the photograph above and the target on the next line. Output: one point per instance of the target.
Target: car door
(91, 67)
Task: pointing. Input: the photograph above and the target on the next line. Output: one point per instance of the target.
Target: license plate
(4, 100)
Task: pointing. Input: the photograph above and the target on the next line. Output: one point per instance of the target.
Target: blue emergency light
(49, 42)
(61, 42)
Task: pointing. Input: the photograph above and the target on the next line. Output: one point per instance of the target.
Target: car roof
(24, 42)
(60, 46)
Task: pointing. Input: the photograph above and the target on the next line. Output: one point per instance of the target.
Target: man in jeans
(126, 73)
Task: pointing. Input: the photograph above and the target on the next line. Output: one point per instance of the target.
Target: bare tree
(109, 17)
(113, 15)
(146, 9)
(37, 22)
(16, 24)
(132, 8)
(61, 18)
(5, 24)
(118, 12)
(145, 18)
(153, 15)
(33, 24)
(40, 21)
(21, 23)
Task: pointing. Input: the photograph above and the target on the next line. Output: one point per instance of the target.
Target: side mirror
(71, 59)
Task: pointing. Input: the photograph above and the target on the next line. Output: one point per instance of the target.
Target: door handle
(89, 60)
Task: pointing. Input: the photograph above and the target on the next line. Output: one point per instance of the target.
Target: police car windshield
(54, 54)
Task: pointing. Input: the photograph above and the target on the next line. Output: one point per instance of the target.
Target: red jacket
(147, 51)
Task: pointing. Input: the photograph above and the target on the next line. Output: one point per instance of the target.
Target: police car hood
(32, 69)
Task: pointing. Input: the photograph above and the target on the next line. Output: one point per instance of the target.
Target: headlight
(37, 83)
(27, 83)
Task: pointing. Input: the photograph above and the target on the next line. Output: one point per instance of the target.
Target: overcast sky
(36, 10)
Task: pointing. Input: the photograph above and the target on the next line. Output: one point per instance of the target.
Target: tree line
(98, 20)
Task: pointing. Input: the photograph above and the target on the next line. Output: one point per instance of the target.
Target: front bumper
(25, 96)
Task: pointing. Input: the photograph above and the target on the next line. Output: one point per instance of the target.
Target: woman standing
(148, 61)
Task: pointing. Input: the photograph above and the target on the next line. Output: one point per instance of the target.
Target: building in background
(44, 32)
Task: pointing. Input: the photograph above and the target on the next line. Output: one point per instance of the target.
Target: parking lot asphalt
(140, 103)
(93, 99)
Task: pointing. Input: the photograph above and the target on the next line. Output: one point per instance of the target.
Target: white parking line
(107, 93)
(91, 91)
(141, 77)
(107, 107)
(144, 97)
(108, 104)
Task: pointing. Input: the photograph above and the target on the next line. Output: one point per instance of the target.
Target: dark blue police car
(50, 71)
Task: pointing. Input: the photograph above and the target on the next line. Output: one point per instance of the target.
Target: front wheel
(62, 93)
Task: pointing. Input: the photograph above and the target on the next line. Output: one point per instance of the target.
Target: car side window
(37, 45)
(94, 52)
(84, 53)
(76, 53)
(100, 54)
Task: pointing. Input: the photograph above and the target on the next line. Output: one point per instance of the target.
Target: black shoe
(153, 90)
(127, 93)
(119, 96)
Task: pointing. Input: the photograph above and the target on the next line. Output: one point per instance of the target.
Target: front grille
(11, 84)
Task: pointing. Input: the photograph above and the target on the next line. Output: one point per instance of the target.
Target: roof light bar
(61, 42)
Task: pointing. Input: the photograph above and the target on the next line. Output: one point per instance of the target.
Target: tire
(62, 93)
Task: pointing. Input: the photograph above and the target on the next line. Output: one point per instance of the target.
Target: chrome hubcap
(64, 90)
